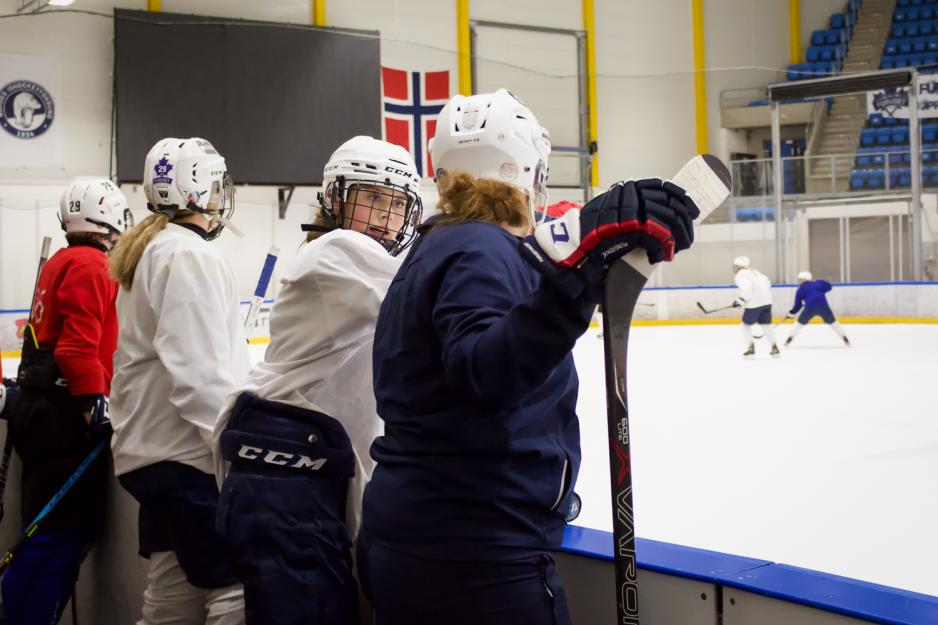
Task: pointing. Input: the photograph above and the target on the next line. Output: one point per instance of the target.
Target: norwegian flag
(412, 103)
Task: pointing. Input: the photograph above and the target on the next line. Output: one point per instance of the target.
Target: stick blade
(707, 181)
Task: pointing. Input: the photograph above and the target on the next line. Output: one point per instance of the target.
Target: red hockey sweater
(75, 315)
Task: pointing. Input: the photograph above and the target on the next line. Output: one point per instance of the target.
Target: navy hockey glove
(574, 250)
(8, 393)
(95, 410)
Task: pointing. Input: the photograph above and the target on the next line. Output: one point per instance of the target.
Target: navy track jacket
(811, 295)
(475, 381)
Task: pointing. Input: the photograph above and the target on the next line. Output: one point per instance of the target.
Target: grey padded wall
(274, 99)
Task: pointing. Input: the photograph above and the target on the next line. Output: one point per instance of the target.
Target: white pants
(171, 600)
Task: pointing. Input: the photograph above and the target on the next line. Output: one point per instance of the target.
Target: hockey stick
(31, 529)
(27, 334)
(707, 181)
(707, 312)
(262, 282)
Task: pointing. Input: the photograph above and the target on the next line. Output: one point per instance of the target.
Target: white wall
(645, 94)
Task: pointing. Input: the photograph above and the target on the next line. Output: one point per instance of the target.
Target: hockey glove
(8, 393)
(574, 250)
(95, 410)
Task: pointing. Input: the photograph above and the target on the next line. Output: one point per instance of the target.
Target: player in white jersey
(297, 434)
(755, 297)
(181, 351)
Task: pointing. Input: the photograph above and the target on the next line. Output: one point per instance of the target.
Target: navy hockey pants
(809, 313)
(410, 590)
(40, 579)
(177, 513)
(761, 315)
(282, 510)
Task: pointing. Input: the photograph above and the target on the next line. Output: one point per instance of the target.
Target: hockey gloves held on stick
(575, 250)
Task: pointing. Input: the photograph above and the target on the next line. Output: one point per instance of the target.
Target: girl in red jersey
(64, 380)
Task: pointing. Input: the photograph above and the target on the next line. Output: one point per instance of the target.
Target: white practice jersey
(321, 333)
(755, 288)
(181, 351)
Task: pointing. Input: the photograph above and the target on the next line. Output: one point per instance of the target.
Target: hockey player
(64, 380)
(298, 432)
(475, 380)
(811, 295)
(181, 352)
(755, 297)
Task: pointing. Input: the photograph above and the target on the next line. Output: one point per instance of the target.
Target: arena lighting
(840, 85)
(60, 3)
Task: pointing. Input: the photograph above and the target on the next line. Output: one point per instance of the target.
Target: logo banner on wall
(412, 103)
(895, 102)
(30, 131)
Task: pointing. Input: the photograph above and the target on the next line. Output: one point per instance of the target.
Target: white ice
(826, 458)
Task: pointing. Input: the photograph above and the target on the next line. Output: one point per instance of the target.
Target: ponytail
(126, 254)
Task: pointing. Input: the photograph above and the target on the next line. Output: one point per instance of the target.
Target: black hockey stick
(708, 311)
(708, 182)
(8, 444)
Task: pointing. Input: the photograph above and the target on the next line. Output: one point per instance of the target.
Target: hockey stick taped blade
(706, 180)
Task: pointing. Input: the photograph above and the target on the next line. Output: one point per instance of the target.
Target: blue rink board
(872, 602)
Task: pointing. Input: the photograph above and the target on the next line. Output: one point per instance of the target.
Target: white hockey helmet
(364, 160)
(741, 261)
(494, 136)
(189, 174)
(805, 275)
(94, 205)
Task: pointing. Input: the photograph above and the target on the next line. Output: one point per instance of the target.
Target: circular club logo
(26, 109)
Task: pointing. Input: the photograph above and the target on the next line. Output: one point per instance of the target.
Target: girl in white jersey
(181, 351)
(297, 434)
(755, 296)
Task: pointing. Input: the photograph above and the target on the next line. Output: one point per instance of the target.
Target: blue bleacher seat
(857, 179)
(867, 137)
(926, 13)
(883, 136)
(876, 180)
(925, 28)
(876, 119)
(890, 121)
(817, 38)
(891, 47)
(930, 134)
(838, 20)
(919, 45)
(905, 46)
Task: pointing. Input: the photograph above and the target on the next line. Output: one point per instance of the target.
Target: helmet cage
(334, 201)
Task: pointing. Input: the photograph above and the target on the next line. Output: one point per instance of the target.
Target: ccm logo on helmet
(280, 458)
(399, 172)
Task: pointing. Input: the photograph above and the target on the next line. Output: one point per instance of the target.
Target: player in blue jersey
(811, 295)
(474, 376)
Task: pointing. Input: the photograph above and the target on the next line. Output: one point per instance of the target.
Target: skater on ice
(812, 296)
(755, 298)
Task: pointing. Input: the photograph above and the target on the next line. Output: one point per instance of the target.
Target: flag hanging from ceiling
(412, 103)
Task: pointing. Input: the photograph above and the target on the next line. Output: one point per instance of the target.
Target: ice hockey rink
(824, 458)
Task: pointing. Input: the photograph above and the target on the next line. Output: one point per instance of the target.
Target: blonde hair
(126, 254)
(323, 219)
(463, 197)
